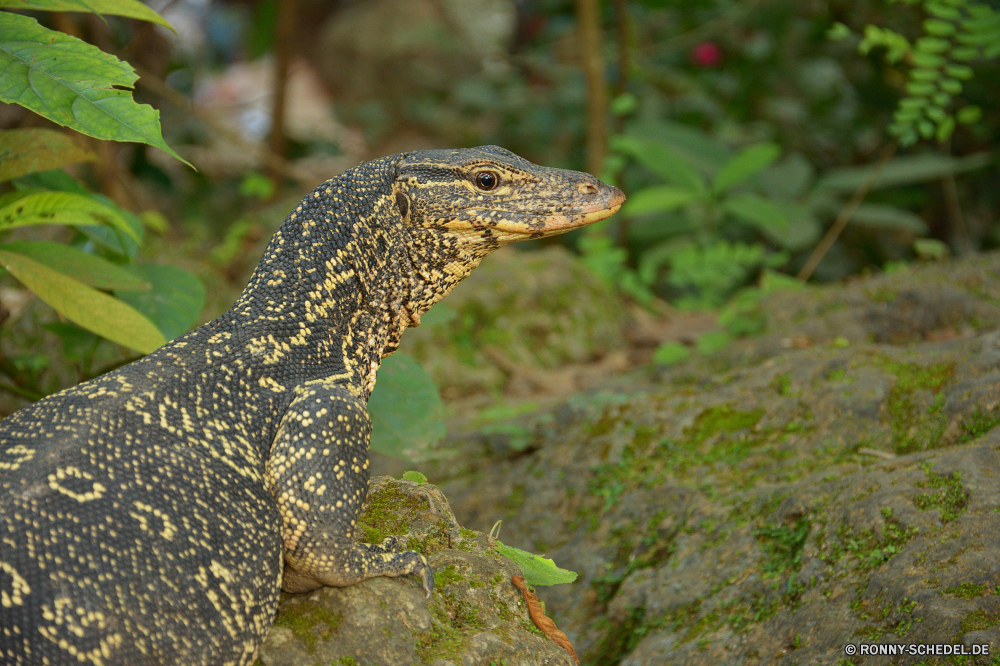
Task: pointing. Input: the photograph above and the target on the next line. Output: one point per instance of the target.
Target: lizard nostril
(587, 188)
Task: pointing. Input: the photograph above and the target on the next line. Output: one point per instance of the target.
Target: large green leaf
(662, 160)
(658, 200)
(73, 84)
(883, 216)
(91, 270)
(175, 301)
(24, 151)
(903, 171)
(130, 8)
(757, 211)
(405, 408)
(752, 160)
(537, 569)
(60, 208)
(93, 310)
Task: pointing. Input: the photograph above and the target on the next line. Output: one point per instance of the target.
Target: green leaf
(671, 353)
(537, 570)
(662, 160)
(93, 310)
(748, 162)
(939, 28)
(416, 477)
(713, 342)
(91, 270)
(405, 407)
(24, 151)
(969, 115)
(61, 208)
(73, 84)
(757, 211)
(55, 179)
(884, 216)
(657, 200)
(174, 302)
(903, 171)
(838, 32)
(130, 8)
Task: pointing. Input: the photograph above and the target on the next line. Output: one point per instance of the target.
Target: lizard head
(490, 194)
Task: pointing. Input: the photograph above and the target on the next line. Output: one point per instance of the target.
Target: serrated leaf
(174, 302)
(91, 270)
(537, 570)
(657, 200)
(93, 310)
(24, 151)
(414, 476)
(757, 211)
(405, 408)
(129, 8)
(744, 165)
(883, 216)
(903, 171)
(72, 83)
(61, 208)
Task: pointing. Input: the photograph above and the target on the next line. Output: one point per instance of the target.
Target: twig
(284, 37)
(845, 215)
(885, 455)
(589, 34)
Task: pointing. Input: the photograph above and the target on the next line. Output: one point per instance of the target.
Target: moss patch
(916, 427)
(782, 546)
(979, 620)
(967, 590)
(385, 514)
(309, 622)
(950, 498)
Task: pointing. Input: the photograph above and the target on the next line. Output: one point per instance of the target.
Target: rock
(539, 309)
(835, 480)
(475, 616)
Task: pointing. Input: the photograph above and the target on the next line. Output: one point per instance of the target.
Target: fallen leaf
(542, 621)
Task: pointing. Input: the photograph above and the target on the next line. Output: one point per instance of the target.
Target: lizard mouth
(606, 202)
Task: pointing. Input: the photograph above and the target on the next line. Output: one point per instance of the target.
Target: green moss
(950, 498)
(309, 622)
(967, 590)
(345, 661)
(914, 426)
(721, 419)
(782, 546)
(455, 620)
(447, 576)
(978, 424)
(979, 620)
(385, 514)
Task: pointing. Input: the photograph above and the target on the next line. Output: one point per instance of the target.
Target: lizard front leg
(318, 473)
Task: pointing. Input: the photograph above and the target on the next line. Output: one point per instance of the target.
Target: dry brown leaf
(542, 621)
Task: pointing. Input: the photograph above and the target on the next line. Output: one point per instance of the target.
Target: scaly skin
(150, 516)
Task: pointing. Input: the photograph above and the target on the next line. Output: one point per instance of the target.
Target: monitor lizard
(151, 515)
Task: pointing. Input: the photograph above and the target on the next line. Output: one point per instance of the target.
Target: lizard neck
(332, 294)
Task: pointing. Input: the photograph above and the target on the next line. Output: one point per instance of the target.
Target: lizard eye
(487, 180)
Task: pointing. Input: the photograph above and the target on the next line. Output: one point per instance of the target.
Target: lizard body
(151, 516)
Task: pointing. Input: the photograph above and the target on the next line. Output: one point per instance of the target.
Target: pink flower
(706, 54)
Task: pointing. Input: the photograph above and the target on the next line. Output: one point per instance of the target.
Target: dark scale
(150, 516)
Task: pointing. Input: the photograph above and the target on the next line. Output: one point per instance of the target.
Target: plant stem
(845, 215)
